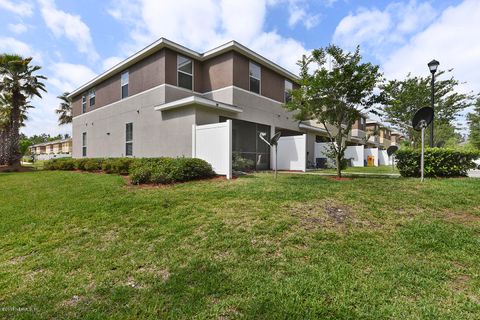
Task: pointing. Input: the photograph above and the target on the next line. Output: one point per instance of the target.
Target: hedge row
(439, 162)
(146, 170)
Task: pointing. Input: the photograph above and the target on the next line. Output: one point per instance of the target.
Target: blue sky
(75, 40)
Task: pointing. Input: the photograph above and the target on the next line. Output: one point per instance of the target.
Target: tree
(474, 126)
(335, 96)
(405, 97)
(64, 110)
(18, 81)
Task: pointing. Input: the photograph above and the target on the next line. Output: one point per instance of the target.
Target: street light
(432, 65)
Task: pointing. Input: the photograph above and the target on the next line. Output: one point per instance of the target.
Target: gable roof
(165, 43)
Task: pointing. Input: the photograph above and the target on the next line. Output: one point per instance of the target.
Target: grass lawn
(81, 245)
(367, 170)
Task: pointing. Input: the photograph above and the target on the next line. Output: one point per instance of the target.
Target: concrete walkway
(474, 173)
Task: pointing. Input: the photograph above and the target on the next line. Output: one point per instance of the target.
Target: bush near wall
(439, 162)
(145, 170)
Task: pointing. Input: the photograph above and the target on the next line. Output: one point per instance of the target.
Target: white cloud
(202, 25)
(298, 13)
(14, 46)
(17, 27)
(21, 8)
(110, 62)
(449, 40)
(68, 76)
(377, 30)
(70, 26)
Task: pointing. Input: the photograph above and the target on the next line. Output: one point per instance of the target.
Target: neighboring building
(396, 138)
(146, 105)
(358, 134)
(52, 149)
(372, 129)
(384, 137)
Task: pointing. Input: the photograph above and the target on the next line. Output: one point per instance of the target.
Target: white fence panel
(371, 152)
(292, 153)
(213, 143)
(50, 156)
(355, 153)
(383, 158)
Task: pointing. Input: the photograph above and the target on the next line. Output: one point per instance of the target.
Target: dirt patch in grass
(320, 214)
(15, 169)
(73, 301)
(465, 218)
(339, 178)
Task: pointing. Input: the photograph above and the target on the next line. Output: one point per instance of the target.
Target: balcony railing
(359, 134)
(374, 139)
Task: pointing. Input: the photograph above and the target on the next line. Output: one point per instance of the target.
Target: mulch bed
(10, 169)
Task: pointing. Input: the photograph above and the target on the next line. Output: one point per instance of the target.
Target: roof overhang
(195, 100)
(165, 43)
(309, 127)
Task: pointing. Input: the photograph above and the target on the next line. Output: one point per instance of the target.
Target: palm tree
(64, 110)
(19, 81)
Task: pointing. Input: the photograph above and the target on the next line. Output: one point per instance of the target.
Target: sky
(75, 40)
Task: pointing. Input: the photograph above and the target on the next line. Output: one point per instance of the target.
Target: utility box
(371, 161)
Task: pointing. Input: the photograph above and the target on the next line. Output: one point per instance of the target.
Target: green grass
(85, 246)
(367, 170)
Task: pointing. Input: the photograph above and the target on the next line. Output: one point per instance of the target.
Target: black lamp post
(433, 65)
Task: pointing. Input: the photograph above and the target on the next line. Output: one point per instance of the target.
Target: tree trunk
(339, 165)
(14, 154)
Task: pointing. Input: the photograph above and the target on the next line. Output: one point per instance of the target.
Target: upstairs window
(84, 144)
(129, 139)
(255, 73)
(184, 72)
(84, 103)
(92, 97)
(288, 91)
(124, 84)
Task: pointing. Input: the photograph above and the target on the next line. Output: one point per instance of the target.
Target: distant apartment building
(52, 149)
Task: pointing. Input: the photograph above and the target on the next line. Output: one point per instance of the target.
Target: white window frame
(84, 144)
(92, 94)
(124, 84)
(128, 141)
(250, 76)
(84, 103)
(192, 75)
(285, 90)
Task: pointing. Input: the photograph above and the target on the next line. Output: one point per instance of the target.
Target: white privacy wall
(292, 153)
(383, 158)
(371, 152)
(213, 143)
(355, 153)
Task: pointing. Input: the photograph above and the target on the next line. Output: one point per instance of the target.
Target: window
(184, 72)
(84, 103)
(288, 91)
(124, 84)
(254, 77)
(129, 139)
(92, 97)
(84, 144)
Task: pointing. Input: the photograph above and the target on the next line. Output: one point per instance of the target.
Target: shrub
(60, 164)
(439, 162)
(240, 163)
(169, 170)
(93, 165)
(117, 165)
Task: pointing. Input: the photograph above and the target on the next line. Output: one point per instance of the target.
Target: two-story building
(52, 149)
(146, 105)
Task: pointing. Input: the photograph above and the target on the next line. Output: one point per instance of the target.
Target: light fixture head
(433, 65)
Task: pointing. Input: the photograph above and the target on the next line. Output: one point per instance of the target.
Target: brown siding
(216, 73)
(143, 75)
(171, 67)
(197, 76)
(240, 71)
(147, 73)
(272, 85)
(106, 92)
(77, 105)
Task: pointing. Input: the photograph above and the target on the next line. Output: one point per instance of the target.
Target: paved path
(474, 173)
